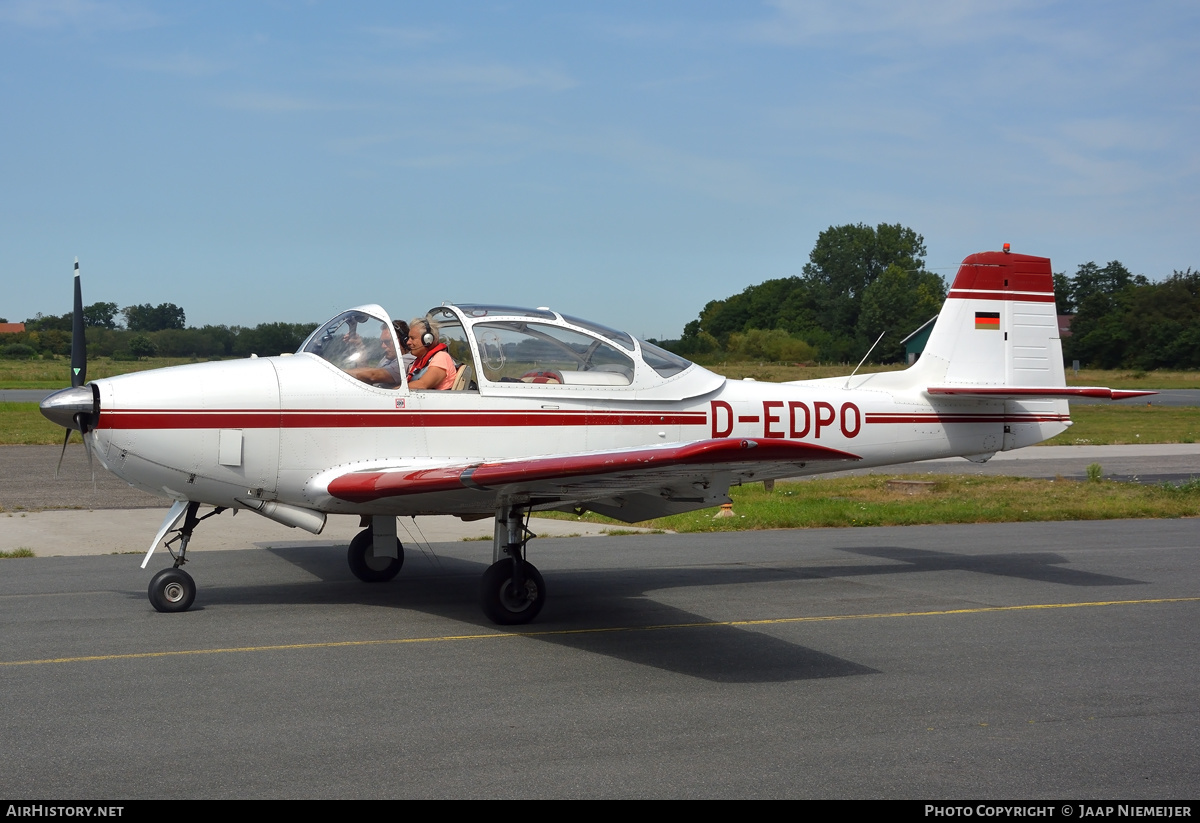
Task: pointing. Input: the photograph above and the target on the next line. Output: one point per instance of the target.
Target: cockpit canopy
(506, 349)
(352, 340)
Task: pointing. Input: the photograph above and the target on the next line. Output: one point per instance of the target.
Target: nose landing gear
(173, 590)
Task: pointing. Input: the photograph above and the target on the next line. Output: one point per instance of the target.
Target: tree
(1142, 325)
(100, 315)
(847, 259)
(144, 317)
(43, 322)
(898, 302)
(822, 306)
(140, 346)
(271, 338)
(1063, 299)
(1091, 279)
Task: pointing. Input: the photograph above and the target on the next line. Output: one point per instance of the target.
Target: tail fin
(997, 339)
(999, 326)
(997, 335)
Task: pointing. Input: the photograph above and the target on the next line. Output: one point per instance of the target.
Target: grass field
(867, 501)
(54, 374)
(1115, 425)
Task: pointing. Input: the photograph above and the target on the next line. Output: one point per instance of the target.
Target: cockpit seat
(465, 378)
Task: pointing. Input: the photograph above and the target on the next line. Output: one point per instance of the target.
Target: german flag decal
(987, 320)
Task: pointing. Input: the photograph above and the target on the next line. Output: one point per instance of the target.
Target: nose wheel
(172, 590)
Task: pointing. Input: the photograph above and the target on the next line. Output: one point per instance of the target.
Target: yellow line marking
(562, 632)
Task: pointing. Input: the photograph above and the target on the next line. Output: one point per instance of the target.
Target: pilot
(433, 368)
(387, 373)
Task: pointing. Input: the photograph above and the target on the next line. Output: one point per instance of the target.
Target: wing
(630, 484)
(1037, 392)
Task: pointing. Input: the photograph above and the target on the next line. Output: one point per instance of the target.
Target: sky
(625, 162)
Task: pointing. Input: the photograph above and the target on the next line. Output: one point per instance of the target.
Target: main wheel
(172, 590)
(504, 606)
(366, 566)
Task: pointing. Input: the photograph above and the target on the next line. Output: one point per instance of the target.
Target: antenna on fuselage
(864, 360)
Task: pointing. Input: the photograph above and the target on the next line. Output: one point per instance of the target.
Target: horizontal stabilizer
(1035, 392)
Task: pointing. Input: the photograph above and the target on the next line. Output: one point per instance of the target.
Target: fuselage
(282, 428)
(283, 433)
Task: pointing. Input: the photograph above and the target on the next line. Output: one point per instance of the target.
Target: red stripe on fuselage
(400, 418)
(966, 418)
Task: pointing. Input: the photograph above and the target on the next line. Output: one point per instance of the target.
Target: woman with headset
(433, 367)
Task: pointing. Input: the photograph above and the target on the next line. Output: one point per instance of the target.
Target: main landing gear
(365, 562)
(173, 590)
(512, 590)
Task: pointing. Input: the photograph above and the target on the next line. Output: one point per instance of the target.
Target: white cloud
(407, 36)
(471, 77)
(87, 15)
(183, 63)
(919, 22)
(266, 102)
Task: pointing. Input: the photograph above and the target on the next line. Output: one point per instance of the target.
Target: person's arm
(373, 375)
(431, 379)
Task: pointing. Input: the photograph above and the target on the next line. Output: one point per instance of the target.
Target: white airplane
(550, 412)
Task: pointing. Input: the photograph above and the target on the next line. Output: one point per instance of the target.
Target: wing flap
(637, 468)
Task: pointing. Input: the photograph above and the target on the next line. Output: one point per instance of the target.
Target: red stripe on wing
(361, 487)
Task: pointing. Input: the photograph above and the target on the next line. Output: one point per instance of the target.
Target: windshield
(356, 340)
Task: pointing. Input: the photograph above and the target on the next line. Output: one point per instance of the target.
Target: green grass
(867, 501)
(1130, 379)
(22, 424)
(56, 374)
(1104, 425)
(22, 552)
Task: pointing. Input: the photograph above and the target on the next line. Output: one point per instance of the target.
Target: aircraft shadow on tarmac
(447, 587)
(651, 633)
(1043, 567)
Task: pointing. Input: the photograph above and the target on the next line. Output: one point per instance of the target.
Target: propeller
(75, 408)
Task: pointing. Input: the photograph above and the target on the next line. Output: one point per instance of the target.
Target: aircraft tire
(172, 590)
(498, 602)
(366, 566)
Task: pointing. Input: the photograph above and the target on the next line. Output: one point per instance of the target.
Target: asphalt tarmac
(1041, 660)
(1048, 660)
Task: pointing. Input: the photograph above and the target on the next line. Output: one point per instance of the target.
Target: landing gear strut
(173, 590)
(512, 590)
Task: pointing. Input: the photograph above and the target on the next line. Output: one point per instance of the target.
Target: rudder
(999, 326)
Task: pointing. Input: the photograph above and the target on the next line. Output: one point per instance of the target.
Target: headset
(427, 338)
